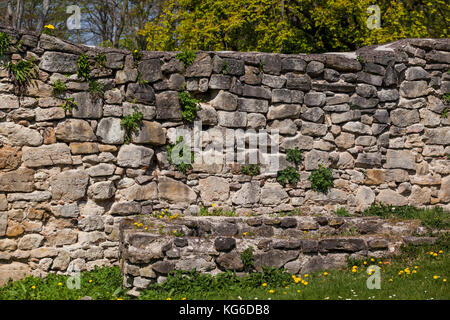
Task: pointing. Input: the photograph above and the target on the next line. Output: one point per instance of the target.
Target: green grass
(335, 285)
(433, 217)
(217, 212)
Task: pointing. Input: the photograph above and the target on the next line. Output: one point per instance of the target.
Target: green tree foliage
(291, 26)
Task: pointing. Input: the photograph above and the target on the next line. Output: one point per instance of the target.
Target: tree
(290, 26)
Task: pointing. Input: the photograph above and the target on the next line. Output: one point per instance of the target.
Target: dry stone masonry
(68, 179)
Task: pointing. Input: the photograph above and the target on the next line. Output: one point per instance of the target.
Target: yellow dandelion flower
(213, 205)
(287, 287)
(365, 262)
(298, 291)
(372, 259)
(169, 298)
(33, 287)
(166, 210)
(435, 277)
(305, 232)
(271, 291)
(90, 281)
(264, 284)
(306, 275)
(390, 280)
(305, 283)
(440, 251)
(325, 273)
(244, 234)
(435, 254)
(59, 284)
(444, 280)
(414, 271)
(184, 298)
(49, 26)
(416, 267)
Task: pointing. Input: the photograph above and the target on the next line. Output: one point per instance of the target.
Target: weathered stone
(220, 82)
(404, 117)
(314, 158)
(293, 64)
(300, 141)
(230, 261)
(444, 191)
(416, 73)
(125, 208)
(368, 160)
(271, 63)
(175, 191)
(345, 140)
(274, 258)
(8, 101)
(59, 62)
(284, 111)
(391, 197)
(339, 245)
(296, 81)
(109, 130)
(9, 157)
(413, 89)
(253, 105)
(201, 67)
(69, 185)
(249, 193)
(225, 101)
(17, 135)
(101, 190)
(439, 136)
(87, 106)
(134, 156)
(91, 223)
(149, 132)
(14, 270)
(20, 180)
(168, 106)
(357, 127)
(150, 70)
(101, 170)
(35, 196)
(345, 116)
(74, 130)
(214, 189)
(232, 119)
(364, 197)
(315, 68)
(46, 155)
(66, 210)
(402, 159)
(163, 267)
(224, 243)
(273, 194)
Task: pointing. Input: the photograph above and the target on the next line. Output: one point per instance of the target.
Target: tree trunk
(41, 21)
(19, 14)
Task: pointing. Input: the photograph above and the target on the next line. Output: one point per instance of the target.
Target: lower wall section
(150, 248)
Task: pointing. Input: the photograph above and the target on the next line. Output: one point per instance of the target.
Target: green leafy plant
(182, 166)
(225, 68)
(288, 175)
(360, 59)
(101, 59)
(321, 179)
(342, 212)
(96, 88)
(250, 169)
(59, 88)
(444, 113)
(219, 212)
(69, 104)
(21, 73)
(84, 69)
(446, 97)
(187, 56)
(131, 123)
(4, 43)
(189, 106)
(247, 258)
(294, 155)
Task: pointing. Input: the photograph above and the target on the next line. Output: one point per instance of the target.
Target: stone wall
(67, 179)
(150, 248)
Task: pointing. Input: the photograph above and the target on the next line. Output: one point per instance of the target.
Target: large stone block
(59, 62)
(149, 132)
(69, 185)
(74, 130)
(17, 135)
(110, 131)
(175, 191)
(134, 156)
(214, 189)
(272, 194)
(402, 159)
(150, 70)
(168, 106)
(20, 180)
(87, 106)
(284, 111)
(9, 157)
(46, 155)
(248, 194)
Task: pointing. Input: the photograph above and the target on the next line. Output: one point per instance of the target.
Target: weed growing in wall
(84, 69)
(189, 106)
(4, 43)
(187, 56)
(342, 212)
(59, 88)
(183, 166)
(288, 175)
(250, 170)
(96, 88)
(225, 68)
(294, 155)
(69, 104)
(101, 59)
(247, 258)
(131, 123)
(321, 179)
(444, 113)
(21, 73)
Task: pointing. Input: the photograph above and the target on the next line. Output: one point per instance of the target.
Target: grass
(433, 217)
(217, 212)
(415, 274)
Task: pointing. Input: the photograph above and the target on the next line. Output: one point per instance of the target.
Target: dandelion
(184, 298)
(33, 287)
(390, 280)
(298, 291)
(264, 284)
(435, 254)
(287, 287)
(444, 280)
(416, 267)
(244, 234)
(306, 275)
(213, 205)
(325, 273)
(169, 298)
(440, 251)
(59, 284)
(435, 277)
(49, 26)
(372, 259)
(246, 214)
(271, 291)
(365, 262)
(305, 232)
(90, 281)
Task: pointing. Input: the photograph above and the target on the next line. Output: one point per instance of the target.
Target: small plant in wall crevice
(21, 73)
(4, 43)
(250, 169)
(59, 88)
(321, 179)
(189, 106)
(131, 123)
(181, 148)
(84, 69)
(187, 56)
(290, 174)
